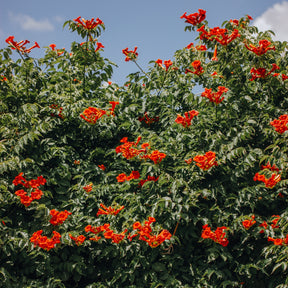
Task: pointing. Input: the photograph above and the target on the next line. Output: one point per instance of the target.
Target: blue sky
(152, 25)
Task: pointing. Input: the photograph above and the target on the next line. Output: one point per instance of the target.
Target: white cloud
(59, 19)
(275, 18)
(26, 22)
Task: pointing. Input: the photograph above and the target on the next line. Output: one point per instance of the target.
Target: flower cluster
(128, 151)
(247, 223)
(149, 178)
(198, 69)
(145, 233)
(107, 233)
(88, 188)
(130, 54)
(269, 182)
(261, 49)
(108, 210)
(33, 185)
(197, 47)
(58, 217)
(58, 51)
(218, 236)
(78, 240)
(218, 34)
(43, 241)
(205, 162)
(194, 18)
(186, 121)
(275, 220)
(167, 64)
(147, 119)
(123, 177)
(269, 167)
(88, 24)
(20, 46)
(280, 124)
(155, 156)
(92, 114)
(264, 225)
(215, 96)
(279, 241)
(262, 72)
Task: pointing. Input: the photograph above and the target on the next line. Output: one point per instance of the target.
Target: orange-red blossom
(130, 54)
(194, 18)
(129, 152)
(269, 167)
(113, 103)
(186, 121)
(198, 69)
(262, 48)
(155, 156)
(107, 233)
(145, 233)
(269, 182)
(280, 124)
(262, 72)
(126, 149)
(88, 24)
(43, 241)
(108, 210)
(215, 96)
(92, 114)
(247, 223)
(167, 64)
(197, 47)
(205, 162)
(218, 34)
(218, 236)
(149, 178)
(102, 167)
(58, 51)
(78, 240)
(20, 46)
(58, 217)
(88, 188)
(123, 177)
(279, 241)
(99, 46)
(33, 184)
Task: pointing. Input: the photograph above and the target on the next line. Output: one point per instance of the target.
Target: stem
(141, 69)
(84, 68)
(26, 80)
(177, 224)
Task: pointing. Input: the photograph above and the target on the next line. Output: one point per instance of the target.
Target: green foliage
(42, 133)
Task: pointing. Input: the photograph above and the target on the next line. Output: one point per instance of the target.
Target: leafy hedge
(146, 184)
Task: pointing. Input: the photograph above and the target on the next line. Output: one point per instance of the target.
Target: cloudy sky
(152, 25)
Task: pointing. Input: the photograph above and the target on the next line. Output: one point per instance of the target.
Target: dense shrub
(146, 184)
